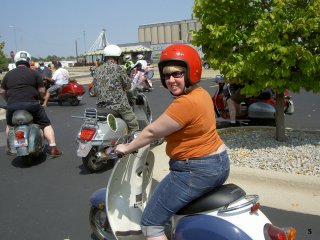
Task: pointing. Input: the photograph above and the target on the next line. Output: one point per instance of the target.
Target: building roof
(124, 49)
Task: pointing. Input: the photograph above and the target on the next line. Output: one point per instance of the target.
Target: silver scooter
(103, 129)
(25, 138)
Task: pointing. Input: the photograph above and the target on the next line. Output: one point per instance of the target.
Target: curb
(290, 192)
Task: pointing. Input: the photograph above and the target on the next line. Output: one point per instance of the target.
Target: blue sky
(45, 27)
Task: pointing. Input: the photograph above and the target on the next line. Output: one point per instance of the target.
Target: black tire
(74, 101)
(100, 224)
(92, 92)
(90, 162)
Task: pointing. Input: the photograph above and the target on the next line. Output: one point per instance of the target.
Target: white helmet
(22, 56)
(140, 56)
(127, 57)
(112, 51)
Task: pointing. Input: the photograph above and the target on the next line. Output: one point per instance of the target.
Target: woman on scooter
(198, 158)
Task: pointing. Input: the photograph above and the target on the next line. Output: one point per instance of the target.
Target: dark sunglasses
(173, 74)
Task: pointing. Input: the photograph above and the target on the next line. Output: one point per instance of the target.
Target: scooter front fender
(98, 198)
(199, 226)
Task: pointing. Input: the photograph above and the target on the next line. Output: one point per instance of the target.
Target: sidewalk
(284, 191)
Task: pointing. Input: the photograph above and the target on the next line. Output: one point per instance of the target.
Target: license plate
(79, 97)
(83, 149)
(21, 143)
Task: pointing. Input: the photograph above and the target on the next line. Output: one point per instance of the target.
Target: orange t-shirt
(198, 135)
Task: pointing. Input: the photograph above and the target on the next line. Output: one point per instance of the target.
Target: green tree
(263, 44)
(3, 60)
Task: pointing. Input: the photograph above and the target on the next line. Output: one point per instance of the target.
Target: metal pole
(84, 41)
(85, 48)
(76, 50)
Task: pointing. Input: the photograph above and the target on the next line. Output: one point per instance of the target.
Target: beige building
(168, 32)
(160, 35)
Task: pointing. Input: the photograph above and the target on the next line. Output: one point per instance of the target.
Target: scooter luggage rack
(92, 114)
(253, 200)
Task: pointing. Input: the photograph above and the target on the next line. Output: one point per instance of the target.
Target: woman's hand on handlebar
(121, 150)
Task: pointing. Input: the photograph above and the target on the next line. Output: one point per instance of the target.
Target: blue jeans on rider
(187, 180)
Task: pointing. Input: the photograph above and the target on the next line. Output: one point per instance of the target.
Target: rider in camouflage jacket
(112, 86)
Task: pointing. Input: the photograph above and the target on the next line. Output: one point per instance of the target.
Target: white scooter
(103, 128)
(224, 213)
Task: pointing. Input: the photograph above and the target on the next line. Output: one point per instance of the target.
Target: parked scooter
(25, 136)
(227, 212)
(259, 109)
(71, 92)
(104, 129)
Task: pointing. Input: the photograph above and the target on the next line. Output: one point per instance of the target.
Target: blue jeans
(186, 181)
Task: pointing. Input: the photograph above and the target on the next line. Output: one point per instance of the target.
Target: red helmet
(185, 55)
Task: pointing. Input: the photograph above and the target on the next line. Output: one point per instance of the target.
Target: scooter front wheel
(100, 224)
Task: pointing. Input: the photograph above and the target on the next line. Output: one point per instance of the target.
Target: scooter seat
(21, 117)
(105, 111)
(217, 198)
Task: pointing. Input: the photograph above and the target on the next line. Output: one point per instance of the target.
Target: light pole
(76, 49)
(84, 41)
(85, 48)
(15, 37)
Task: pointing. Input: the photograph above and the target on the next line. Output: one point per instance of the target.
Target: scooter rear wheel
(74, 101)
(90, 162)
(100, 224)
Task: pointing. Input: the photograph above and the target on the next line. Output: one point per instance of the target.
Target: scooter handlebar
(111, 150)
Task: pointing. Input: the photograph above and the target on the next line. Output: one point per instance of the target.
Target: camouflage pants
(130, 118)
